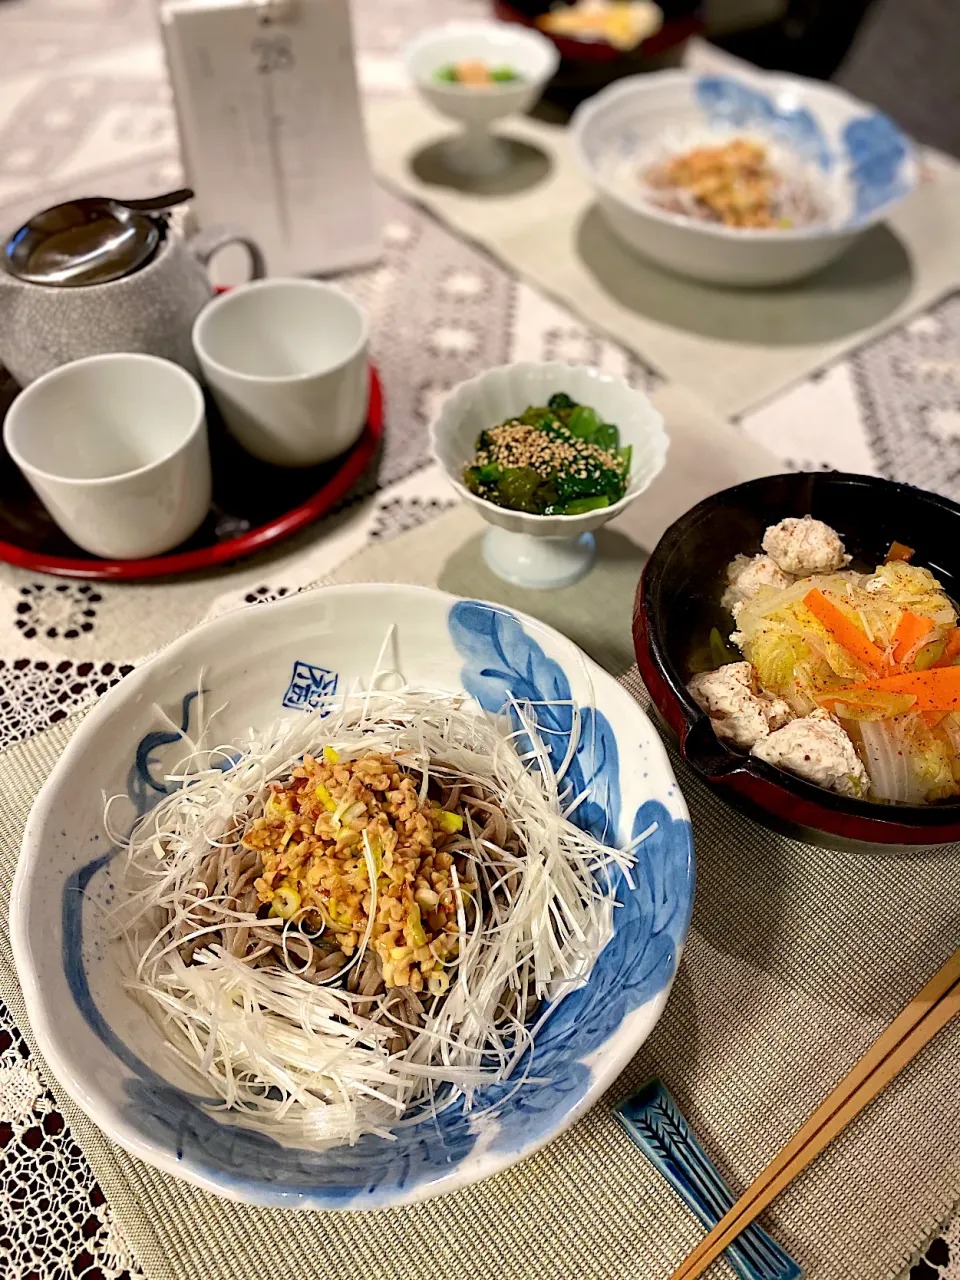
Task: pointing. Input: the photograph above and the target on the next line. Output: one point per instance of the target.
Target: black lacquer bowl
(678, 602)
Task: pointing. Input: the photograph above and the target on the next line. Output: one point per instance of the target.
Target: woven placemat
(796, 960)
(733, 347)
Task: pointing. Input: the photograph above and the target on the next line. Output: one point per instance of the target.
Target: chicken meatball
(746, 575)
(739, 713)
(806, 546)
(815, 747)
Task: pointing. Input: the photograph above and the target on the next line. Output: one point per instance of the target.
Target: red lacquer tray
(254, 505)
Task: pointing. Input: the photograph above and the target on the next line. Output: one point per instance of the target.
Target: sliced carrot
(846, 633)
(952, 649)
(935, 690)
(911, 629)
(898, 551)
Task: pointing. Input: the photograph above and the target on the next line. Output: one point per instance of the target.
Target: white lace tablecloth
(84, 106)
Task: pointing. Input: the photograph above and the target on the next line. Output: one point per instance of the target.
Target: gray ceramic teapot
(144, 295)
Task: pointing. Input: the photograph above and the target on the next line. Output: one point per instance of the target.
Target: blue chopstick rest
(656, 1124)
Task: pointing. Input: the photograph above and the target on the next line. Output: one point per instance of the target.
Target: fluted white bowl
(504, 392)
(501, 393)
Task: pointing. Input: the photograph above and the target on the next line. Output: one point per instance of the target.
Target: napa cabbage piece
(909, 761)
(776, 657)
(908, 586)
(867, 704)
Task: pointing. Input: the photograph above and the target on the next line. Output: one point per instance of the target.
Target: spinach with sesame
(559, 459)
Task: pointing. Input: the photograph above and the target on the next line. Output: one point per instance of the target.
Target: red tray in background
(254, 506)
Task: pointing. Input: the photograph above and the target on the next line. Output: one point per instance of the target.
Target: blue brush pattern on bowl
(878, 154)
(499, 659)
(725, 101)
(874, 151)
(656, 1124)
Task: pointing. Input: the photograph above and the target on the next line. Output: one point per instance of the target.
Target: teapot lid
(87, 241)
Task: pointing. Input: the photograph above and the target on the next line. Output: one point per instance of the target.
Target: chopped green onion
(326, 799)
(285, 902)
(450, 821)
(415, 930)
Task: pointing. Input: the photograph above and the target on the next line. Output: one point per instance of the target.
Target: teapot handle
(204, 244)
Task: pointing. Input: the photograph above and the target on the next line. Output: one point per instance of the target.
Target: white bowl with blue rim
(264, 663)
(545, 551)
(860, 163)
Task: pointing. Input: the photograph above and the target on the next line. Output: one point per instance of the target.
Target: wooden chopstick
(930, 1010)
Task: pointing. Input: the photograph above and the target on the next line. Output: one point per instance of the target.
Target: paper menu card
(271, 132)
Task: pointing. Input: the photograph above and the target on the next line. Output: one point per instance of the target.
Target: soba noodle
(306, 1026)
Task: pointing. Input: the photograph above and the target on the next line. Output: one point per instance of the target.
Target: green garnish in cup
(475, 74)
(560, 459)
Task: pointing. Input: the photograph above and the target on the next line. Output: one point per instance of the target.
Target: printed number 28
(273, 53)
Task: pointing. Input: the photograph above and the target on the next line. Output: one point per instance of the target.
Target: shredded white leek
(305, 1060)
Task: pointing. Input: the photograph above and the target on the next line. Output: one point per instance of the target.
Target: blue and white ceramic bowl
(264, 663)
(861, 163)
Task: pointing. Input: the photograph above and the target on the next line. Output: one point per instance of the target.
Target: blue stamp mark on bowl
(309, 687)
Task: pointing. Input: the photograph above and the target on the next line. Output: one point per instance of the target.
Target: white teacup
(287, 363)
(115, 447)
